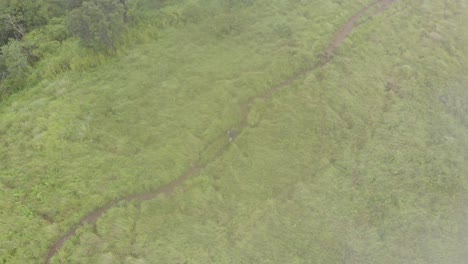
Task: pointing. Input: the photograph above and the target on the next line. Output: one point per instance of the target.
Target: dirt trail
(197, 166)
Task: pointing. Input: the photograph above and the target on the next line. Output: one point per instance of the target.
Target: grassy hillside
(361, 161)
(139, 120)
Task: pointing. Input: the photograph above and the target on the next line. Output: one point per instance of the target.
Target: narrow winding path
(329, 53)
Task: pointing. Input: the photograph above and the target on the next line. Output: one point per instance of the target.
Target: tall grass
(96, 128)
(361, 162)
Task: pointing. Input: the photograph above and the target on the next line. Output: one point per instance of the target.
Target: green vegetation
(98, 23)
(360, 161)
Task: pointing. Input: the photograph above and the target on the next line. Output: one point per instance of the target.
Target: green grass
(358, 162)
(73, 143)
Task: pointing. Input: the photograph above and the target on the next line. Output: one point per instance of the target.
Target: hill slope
(362, 160)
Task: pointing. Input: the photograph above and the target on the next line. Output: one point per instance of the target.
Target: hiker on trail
(232, 134)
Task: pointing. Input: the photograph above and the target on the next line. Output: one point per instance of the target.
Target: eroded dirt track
(328, 54)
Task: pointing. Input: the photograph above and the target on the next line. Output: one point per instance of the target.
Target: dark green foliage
(98, 23)
(3, 68)
(14, 61)
(17, 17)
(74, 3)
(11, 28)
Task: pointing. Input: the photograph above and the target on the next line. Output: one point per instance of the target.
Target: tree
(17, 17)
(98, 23)
(125, 7)
(14, 65)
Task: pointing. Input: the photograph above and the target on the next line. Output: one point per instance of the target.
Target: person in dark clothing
(232, 134)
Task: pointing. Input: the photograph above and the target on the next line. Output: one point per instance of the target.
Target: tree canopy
(98, 23)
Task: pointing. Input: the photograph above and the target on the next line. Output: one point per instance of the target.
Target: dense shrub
(98, 23)
(15, 66)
